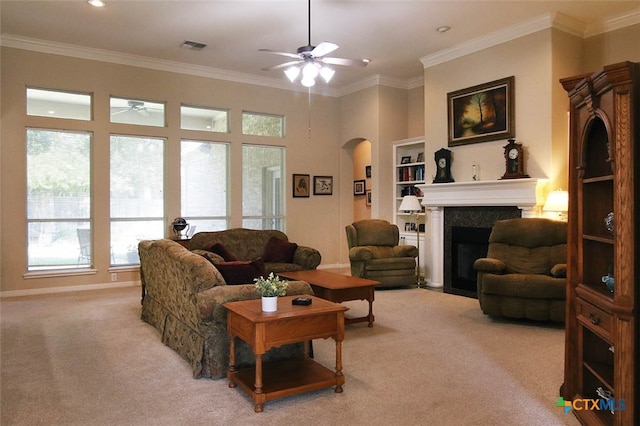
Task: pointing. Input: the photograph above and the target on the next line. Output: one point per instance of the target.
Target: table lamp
(557, 201)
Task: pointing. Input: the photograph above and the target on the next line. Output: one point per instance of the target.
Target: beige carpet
(431, 359)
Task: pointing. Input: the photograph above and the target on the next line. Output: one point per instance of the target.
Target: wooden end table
(290, 324)
(338, 288)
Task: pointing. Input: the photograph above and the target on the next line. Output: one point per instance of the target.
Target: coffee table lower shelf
(285, 378)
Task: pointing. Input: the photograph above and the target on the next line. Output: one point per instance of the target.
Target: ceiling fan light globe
(310, 70)
(327, 73)
(308, 82)
(292, 73)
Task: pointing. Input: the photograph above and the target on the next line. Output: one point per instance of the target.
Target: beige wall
(537, 61)
(314, 155)
(378, 114)
(612, 47)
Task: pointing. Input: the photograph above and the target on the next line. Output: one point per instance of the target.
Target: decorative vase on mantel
(269, 304)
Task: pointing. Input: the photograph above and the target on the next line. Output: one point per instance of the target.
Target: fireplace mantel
(526, 194)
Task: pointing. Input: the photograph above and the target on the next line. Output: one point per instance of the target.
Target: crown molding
(381, 80)
(558, 20)
(492, 39)
(55, 48)
(613, 24)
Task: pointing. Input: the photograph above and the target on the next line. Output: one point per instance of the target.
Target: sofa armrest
(210, 303)
(559, 270)
(307, 257)
(405, 250)
(487, 264)
(360, 253)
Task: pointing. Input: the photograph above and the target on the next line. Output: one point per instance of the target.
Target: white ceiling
(394, 35)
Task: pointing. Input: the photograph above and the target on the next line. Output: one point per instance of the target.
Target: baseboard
(52, 290)
(88, 287)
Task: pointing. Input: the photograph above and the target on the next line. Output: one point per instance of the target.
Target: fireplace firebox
(467, 245)
(466, 238)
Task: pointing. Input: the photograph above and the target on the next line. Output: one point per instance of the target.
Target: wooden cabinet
(602, 338)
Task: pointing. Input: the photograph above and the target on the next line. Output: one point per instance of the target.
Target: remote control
(302, 301)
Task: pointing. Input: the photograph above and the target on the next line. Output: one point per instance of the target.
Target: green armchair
(524, 273)
(374, 253)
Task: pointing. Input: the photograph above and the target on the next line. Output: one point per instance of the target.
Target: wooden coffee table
(265, 330)
(338, 288)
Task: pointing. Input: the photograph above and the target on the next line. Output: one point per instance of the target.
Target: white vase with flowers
(270, 288)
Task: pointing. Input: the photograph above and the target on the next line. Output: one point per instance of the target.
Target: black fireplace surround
(466, 238)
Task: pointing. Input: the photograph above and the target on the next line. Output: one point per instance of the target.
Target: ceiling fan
(137, 106)
(310, 60)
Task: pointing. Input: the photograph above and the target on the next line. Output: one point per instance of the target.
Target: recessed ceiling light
(96, 3)
(443, 29)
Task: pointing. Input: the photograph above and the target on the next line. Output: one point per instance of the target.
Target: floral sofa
(275, 249)
(184, 297)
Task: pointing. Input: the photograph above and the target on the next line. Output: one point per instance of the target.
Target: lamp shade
(410, 203)
(557, 201)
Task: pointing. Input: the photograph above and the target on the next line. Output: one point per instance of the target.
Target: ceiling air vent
(193, 45)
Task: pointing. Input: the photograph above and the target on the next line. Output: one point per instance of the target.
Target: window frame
(87, 220)
(227, 216)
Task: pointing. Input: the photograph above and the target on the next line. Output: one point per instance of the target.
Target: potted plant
(270, 288)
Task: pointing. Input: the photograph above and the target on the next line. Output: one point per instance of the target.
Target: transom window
(58, 104)
(259, 124)
(137, 111)
(204, 119)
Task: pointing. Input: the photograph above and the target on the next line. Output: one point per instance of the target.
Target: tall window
(263, 187)
(58, 199)
(137, 195)
(204, 184)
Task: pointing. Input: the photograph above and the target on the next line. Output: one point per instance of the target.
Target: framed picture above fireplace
(482, 113)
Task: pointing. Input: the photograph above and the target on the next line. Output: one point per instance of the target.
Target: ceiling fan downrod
(309, 22)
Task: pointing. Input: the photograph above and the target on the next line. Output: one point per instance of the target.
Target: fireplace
(466, 238)
(524, 196)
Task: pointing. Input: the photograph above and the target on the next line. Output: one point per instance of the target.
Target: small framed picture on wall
(300, 185)
(359, 187)
(322, 185)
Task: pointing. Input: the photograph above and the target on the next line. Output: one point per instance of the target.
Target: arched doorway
(359, 151)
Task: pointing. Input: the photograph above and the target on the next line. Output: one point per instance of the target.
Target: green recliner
(374, 253)
(524, 273)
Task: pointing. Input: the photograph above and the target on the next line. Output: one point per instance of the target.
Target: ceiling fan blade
(323, 48)
(284, 65)
(275, 52)
(346, 62)
(143, 111)
(121, 111)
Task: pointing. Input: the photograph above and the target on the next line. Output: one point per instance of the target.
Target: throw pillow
(278, 250)
(221, 250)
(241, 272)
(211, 257)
